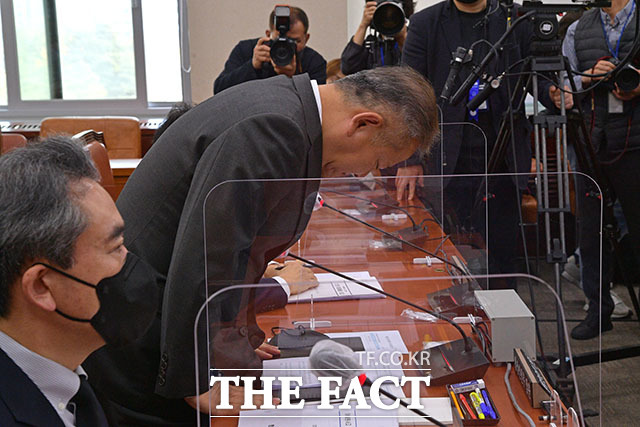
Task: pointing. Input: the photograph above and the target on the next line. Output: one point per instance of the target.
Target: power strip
(533, 381)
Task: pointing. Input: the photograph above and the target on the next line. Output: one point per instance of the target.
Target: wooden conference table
(342, 244)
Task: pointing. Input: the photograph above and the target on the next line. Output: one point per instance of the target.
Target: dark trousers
(484, 209)
(624, 178)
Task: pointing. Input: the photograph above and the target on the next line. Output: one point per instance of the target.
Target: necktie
(88, 410)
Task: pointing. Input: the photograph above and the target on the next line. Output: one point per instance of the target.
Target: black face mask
(128, 302)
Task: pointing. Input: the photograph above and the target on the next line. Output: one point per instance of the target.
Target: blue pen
(492, 413)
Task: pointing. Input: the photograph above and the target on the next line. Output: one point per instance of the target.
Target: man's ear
(267, 33)
(365, 121)
(35, 285)
(307, 37)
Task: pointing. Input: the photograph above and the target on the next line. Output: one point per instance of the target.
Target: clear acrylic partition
(351, 234)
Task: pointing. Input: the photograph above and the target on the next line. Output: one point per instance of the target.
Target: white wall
(215, 26)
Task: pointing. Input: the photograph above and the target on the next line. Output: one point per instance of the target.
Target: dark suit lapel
(449, 21)
(23, 398)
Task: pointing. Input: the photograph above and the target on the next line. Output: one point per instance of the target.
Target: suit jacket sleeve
(238, 68)
(231, 213)
(353, 58)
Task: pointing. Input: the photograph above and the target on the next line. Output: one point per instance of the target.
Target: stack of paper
(334, 288)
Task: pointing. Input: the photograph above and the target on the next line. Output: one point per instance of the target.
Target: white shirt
(316, 94)
(57, 383)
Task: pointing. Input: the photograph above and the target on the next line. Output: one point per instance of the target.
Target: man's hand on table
(211, 399)
(298, 277)
(407, 177)
(267, 351)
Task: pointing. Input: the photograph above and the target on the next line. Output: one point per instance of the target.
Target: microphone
(476, 72)
(461, 359)
(460, 57)
(490, 87)
(331, 359)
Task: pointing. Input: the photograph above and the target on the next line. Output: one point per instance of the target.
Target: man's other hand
(261, 53)
(298, 277)
(367, 15)
(267, 351)
(211, 399)
(406, 177)
(556, 96)
(601, 67)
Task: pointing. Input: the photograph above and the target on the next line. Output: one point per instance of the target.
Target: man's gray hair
(400, 93)
(39, 214)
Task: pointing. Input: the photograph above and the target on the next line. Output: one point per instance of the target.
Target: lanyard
(606, 38)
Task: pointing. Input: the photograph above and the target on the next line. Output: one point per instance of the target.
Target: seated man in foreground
(280, 128)
(64, 284)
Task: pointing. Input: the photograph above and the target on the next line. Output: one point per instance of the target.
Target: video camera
(283, 49)
(389, 17)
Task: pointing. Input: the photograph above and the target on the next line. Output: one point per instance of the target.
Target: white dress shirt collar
(316, 94)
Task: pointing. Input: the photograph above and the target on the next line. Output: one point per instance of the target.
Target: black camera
(283, 49)
(389, 18)
(627, 78)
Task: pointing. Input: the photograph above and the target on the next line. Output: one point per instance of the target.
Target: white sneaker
(571, 271)
(620, 309)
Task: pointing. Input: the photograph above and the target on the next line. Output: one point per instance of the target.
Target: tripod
(554, 63)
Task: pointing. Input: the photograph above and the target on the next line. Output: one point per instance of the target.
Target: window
(91, 57)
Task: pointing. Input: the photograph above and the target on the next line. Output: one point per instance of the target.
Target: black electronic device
(283, 49)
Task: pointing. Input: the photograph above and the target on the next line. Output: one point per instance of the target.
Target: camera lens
(388, 18)
(282, 52)
(627, 78)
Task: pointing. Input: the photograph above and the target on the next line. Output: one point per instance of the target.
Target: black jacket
(433, 35)
(238, 68)
(21, 402)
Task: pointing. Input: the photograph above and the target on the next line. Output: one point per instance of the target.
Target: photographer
(356, 57)
(251, 59)
(433, 34)
(613, 116)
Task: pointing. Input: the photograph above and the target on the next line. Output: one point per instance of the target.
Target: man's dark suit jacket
(433, 35)
(21, 402)
(263, 130)
(238, 68)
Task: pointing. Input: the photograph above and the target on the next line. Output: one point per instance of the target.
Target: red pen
(466, 405)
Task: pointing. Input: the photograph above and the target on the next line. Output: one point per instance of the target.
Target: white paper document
(334, 288)
(376, 340)
(311, 416)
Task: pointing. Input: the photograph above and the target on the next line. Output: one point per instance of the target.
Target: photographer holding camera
(387, 19)
(283, 50)
(594, 45)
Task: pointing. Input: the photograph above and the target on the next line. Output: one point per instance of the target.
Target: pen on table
(475, 401)
(466, 405)
(453, 396)
(492, 413)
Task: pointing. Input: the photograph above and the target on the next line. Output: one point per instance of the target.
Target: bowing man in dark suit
(279, 128)
(251, 59)
(60, 234)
